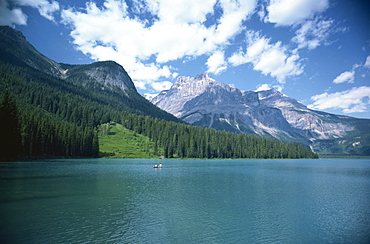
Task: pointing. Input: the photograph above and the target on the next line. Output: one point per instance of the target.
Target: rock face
(106, 77)
(205, 102)
(111, 74)
(107, 74)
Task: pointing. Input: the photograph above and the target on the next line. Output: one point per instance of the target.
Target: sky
(316, 51)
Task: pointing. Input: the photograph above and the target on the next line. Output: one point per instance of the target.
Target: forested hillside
(187, 141)
(57, 118)
(52, 115)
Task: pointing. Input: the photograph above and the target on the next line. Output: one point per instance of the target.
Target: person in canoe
(157, 166)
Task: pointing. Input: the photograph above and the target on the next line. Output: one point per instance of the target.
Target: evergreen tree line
(58, 118)
(47, 136)
(10, 134)
(32, 134)
(187, 141)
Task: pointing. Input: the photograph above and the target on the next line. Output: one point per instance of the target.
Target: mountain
(55, 109)
(105, 75)
(16, 49)
(100, 79)
(50, 109)
(205, 102)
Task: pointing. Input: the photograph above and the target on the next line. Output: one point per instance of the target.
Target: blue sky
(316, 51)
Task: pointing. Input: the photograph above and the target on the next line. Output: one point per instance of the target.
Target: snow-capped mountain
(205, 102)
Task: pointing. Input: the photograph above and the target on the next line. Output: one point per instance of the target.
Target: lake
(186, 201)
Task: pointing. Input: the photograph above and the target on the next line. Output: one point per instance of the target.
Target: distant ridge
(205, 102)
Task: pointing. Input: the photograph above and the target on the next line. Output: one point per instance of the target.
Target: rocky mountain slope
(205, 102)
(14, 47)
(107, 75)
(98, 80)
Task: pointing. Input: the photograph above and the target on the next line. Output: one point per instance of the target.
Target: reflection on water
(186, 201)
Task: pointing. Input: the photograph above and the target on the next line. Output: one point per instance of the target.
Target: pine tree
(10, 136)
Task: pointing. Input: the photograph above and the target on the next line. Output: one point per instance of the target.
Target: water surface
(186, 201)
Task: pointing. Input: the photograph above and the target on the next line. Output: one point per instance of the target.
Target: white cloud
(11, 16)
(356, 66)
(45, 8)
(350, 101)
(149, 96)
(171, 30)
(216, 63)
(160, 86)
(271, 59)
(278, 87)
(313, 33)
(367, 63)
(263, 87)
(180, 11)
(238, 58)
(347, 76)
(234, 12)
(288, 12)
(16, 15)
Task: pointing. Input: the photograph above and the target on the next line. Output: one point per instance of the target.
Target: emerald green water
(186, 201)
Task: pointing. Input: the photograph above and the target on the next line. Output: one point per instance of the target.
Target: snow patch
(356, 144)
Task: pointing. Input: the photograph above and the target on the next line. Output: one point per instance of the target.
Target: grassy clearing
(115, 141)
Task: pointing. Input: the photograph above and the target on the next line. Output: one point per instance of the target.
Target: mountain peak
(12, 33)
(199, 77)
(16, 49)
(193, 85)
(205, 102)
(108, 74)
(269, 93)
(203, 77)
(185, 89)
